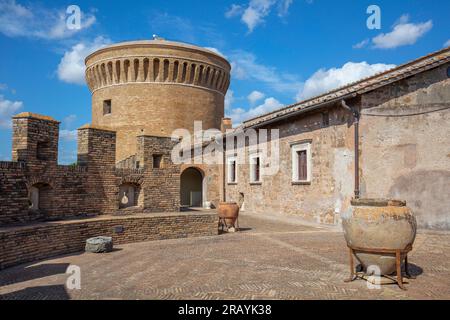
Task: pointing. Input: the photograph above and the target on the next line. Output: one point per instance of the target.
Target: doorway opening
(191, 188)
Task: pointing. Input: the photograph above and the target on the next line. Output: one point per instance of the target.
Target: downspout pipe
(356, 116)
(224, 184)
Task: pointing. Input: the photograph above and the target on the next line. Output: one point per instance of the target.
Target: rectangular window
(232, 170)
(325, 119)
(255, 168)
(107, 104)
(301, 163)
(157, 161)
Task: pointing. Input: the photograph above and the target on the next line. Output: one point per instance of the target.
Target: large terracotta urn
(379, 224)
(228, 211)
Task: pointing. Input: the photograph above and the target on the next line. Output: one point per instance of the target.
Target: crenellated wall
(36, 188)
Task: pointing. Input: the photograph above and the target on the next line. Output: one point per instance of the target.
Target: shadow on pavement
(56, 292)
(27, 272)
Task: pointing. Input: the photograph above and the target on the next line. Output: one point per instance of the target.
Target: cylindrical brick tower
(154, 87)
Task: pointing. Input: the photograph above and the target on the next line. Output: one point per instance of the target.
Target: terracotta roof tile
(421, 64)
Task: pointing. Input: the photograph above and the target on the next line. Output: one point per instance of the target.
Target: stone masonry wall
(35, 242)
(165, 86)
(89, 188)
(161, 186)
(13, 193)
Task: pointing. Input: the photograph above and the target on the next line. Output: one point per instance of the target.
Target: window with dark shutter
(257, 170)
(233, 171)
(302, 165)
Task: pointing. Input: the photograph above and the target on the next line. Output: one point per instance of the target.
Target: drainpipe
(224, 196)
(356, 116)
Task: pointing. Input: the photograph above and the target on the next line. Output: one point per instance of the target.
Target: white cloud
(36, 21)
(69, 120)
(447, 44)
(238, 115)
(326, 80)
(7, 110)
(68, 135)
(404, 33)
(283, 7)
(361, 44)
(255, 96)
(229, 99)
(217, 51)
(71, 68)
(245, 67)
(256, 11)
(235, 10)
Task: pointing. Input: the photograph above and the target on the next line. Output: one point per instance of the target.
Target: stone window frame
(252, 158)
(230, 159)
(295, 148)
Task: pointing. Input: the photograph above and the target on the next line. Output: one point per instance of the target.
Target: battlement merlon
(35, 139)
(96, 146)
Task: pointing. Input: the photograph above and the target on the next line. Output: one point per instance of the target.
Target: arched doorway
(129, 195)
(191, 188)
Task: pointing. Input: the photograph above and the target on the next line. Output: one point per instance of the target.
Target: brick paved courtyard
(267, 260)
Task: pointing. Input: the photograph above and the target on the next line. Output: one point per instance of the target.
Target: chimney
(226, 124)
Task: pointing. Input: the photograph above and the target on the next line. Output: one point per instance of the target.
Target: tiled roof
(403, 71)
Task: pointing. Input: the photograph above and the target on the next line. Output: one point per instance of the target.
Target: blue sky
(281, 51)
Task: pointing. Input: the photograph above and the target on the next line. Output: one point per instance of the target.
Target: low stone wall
(40, 241)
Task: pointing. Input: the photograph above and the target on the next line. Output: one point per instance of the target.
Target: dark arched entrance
(191, 188)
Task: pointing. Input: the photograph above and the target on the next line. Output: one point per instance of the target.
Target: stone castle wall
(90, 187)
(154, 88)
(30, 243)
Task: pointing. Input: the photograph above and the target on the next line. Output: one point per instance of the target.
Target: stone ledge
(34, 116)
(378, 202)
(95, 127)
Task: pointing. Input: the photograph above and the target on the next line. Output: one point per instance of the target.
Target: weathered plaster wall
(331, 186)
(408, 157)
(404, 157)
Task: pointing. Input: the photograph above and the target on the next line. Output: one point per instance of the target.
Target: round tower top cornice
(157, 62)
(131, 46)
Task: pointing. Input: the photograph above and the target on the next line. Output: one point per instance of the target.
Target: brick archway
(192, 187)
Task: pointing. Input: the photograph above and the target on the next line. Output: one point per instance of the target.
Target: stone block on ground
(99, 245)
